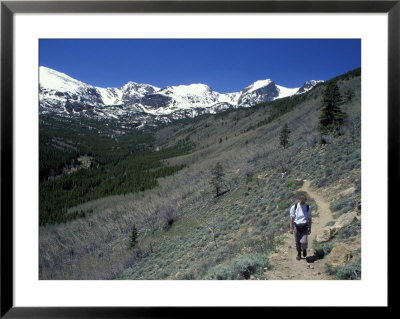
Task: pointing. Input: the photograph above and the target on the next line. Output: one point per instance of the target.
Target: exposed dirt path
(284, 263)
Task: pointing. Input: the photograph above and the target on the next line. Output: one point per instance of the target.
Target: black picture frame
(9, 8)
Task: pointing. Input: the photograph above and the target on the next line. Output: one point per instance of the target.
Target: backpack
(295, 207)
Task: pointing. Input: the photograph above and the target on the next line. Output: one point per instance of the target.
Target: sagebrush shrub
(346, 272)
(240, 268)
(167, 214)
(343, 205)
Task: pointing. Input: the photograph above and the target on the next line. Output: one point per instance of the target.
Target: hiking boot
(304, 253)
(298, 256)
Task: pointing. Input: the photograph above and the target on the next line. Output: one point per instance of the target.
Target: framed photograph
(158, 156)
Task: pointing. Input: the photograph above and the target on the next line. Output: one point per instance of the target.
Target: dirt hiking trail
(284, 263)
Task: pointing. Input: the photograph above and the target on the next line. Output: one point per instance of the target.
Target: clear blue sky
(225, 65)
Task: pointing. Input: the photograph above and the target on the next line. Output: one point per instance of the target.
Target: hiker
(300, 224)
(284, 174)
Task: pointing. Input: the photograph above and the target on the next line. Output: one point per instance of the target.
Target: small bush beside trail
(321, 250)
(343, 205)
(347, 272)
(240, 268)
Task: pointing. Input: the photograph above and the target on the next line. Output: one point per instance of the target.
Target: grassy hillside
(184, 232)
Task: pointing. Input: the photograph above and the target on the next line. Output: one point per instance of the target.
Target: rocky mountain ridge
(147, 104)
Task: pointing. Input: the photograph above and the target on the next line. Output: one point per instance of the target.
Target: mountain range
(140, 104)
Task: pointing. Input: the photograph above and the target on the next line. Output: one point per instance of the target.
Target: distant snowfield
(111, 96)
(58, 81)
(257, 85)
(66, 95)
(285, 92)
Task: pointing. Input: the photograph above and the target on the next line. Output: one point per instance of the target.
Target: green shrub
(344, 205)
(249, 173)
(186, 275)
(321, 250)
(133, 237)
(289, 183)
(240, 268)
(349, 230)
(321, 182)
(328, 172)
(346, 272)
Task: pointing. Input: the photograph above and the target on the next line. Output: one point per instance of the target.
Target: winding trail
(284, 263)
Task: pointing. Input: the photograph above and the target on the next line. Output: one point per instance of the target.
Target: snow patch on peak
(231, 98)
(111, 96)
(307, 86)
(314, 82)
(130, 83)
(135, 85)
(285, 92)
(54, 80)
(257, 85)
(190, 89)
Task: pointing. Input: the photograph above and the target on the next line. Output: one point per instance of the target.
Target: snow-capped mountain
(63, 94)
(308, 86)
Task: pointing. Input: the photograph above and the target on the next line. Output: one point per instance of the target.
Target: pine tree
(216, 181)
(284, 136)
(332, 117)
(133, 238)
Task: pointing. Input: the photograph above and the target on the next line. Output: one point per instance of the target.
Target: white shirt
(300, 215)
